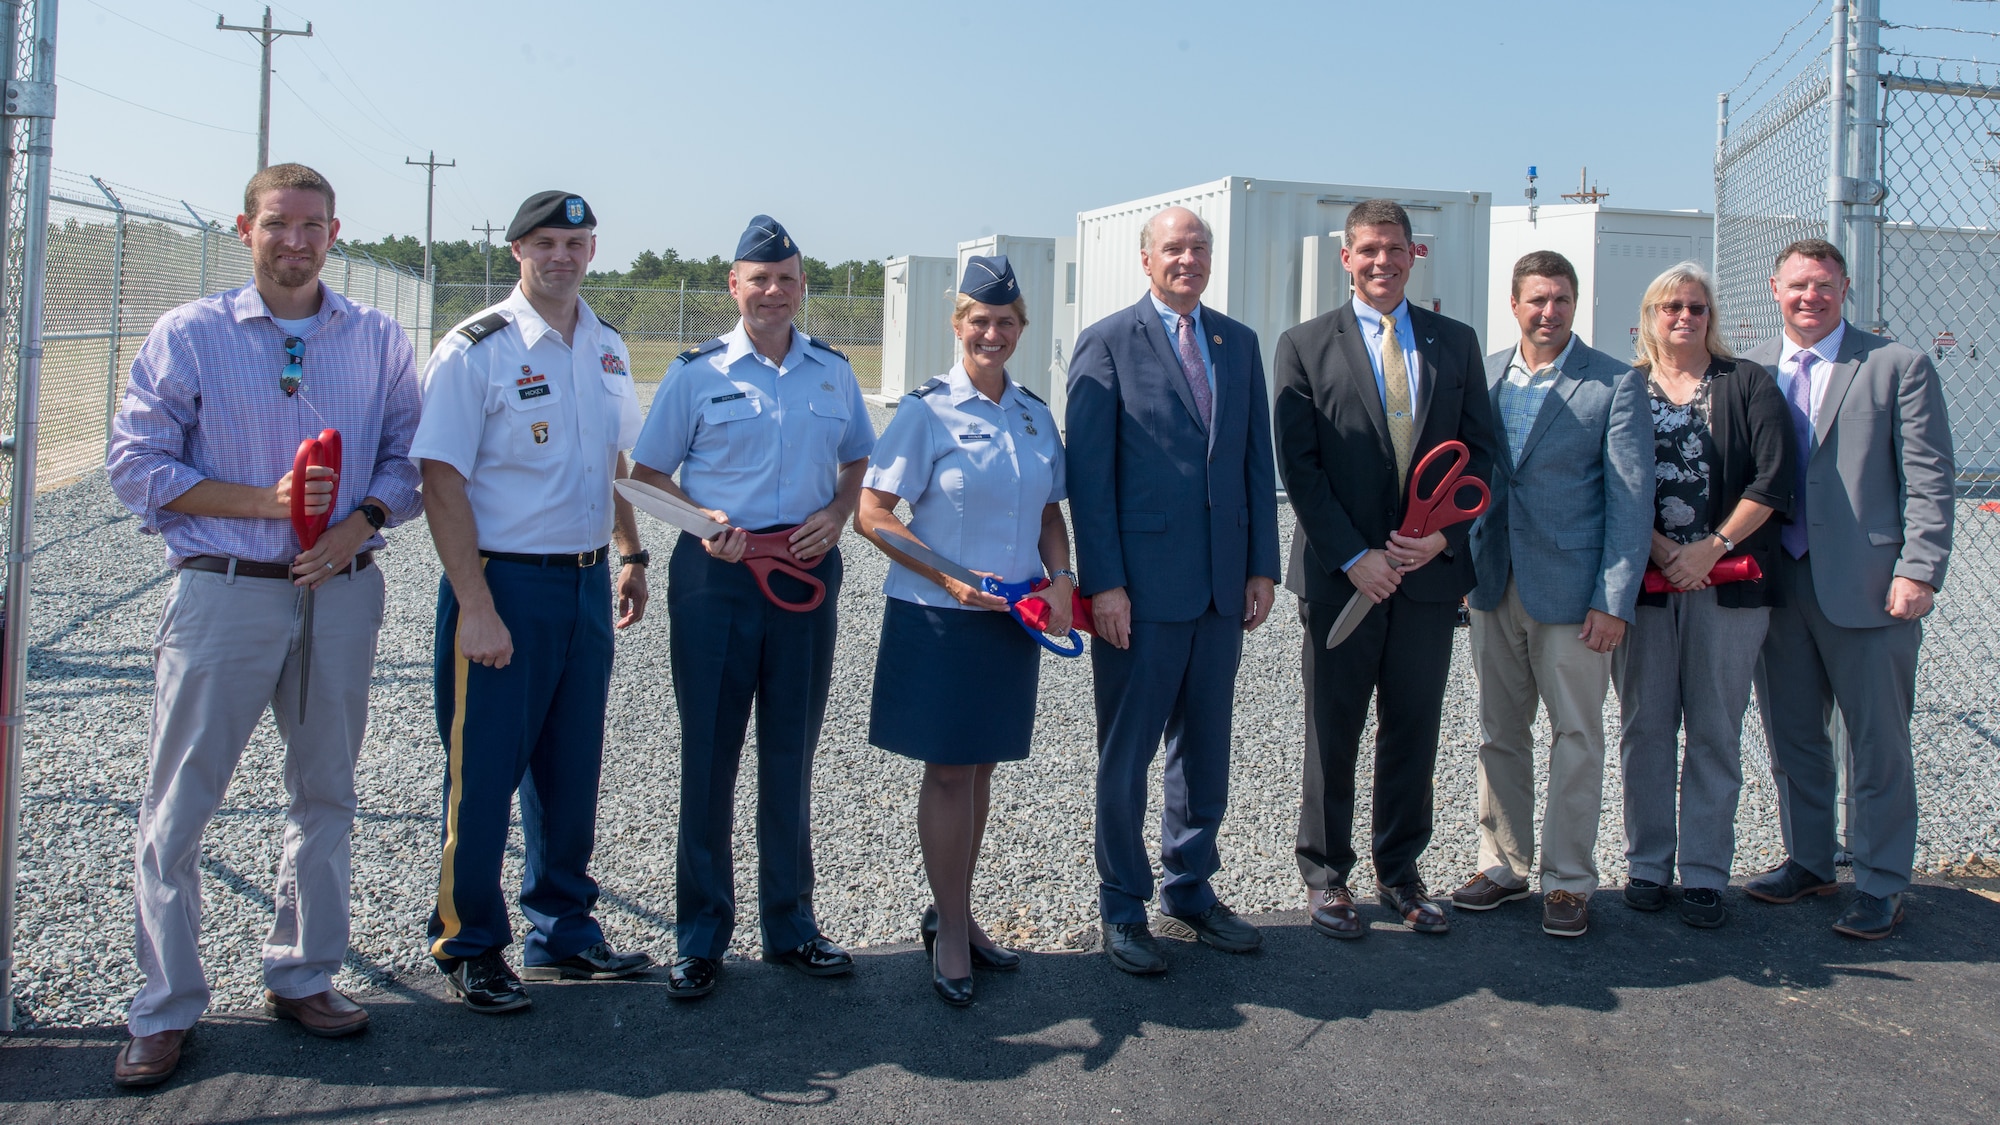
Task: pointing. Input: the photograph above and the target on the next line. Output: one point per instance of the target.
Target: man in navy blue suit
(1173, 491)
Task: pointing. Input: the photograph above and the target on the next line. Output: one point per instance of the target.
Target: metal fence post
(117, 301)
(1864, 233)
(200, 224)
(1836, 161)
(681, 314)
(30, 100)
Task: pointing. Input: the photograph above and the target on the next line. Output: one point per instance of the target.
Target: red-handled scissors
(322, 452)
(773, 551)
(1430, 511)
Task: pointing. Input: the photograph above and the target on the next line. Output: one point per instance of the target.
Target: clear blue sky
(873, 129)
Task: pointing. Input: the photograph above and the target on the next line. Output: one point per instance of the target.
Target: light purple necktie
(1799, 395)
(1196, 371)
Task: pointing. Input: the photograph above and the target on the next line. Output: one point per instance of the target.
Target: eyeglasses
(1675, 308)
(294, 375)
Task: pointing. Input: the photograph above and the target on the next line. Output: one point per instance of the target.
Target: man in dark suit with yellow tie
(1363, 393)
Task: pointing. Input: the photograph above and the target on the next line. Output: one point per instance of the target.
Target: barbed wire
(1813, 7)
(1887, 26)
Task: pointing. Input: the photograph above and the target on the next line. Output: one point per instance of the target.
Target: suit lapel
(1555, 400)
(1496, 372)
(1837, 382)
(1170, 360)
(1427, 369)
(1218, 373)
(1347, 338)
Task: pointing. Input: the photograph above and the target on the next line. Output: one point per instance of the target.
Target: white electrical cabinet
(917, 297)
(1617, 252)
(1277, 251)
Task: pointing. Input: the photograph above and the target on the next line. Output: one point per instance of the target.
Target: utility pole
(265, 35)
(487, 230)
(430, 168)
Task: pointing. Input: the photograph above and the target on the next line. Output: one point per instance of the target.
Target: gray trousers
(226, 650)
(1684, 666)
(1809, 665)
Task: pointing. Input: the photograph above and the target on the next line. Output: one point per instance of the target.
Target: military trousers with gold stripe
(536, 726)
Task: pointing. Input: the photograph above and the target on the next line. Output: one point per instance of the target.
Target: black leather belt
(581, 560)
(216, 564)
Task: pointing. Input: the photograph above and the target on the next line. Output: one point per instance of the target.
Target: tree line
(464, 262)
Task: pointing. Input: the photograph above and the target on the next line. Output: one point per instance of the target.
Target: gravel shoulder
(99, 586)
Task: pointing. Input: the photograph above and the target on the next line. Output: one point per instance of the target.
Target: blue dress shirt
(1172, 321)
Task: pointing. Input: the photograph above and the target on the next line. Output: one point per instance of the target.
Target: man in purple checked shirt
(222, 392)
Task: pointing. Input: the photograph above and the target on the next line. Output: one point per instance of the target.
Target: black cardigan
(1752, 429)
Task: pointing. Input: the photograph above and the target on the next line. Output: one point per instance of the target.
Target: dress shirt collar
(1828, 349)
(533, 327)
(959, 381)
(248, 304)
(739, 345)
(1172, 319)
(1372, 320)
(1562, 361)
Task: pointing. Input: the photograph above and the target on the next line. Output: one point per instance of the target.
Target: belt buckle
(586, 559)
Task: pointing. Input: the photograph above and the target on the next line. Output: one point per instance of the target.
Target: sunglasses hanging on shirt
(294, 375)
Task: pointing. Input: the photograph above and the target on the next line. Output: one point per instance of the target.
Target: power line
(265, 35)
(339, 135)
(164, 35)
(149, 109)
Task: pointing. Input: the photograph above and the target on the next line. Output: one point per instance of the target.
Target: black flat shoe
(991, 958)
(599, 962)
(692, 977)
(485, 984)
(816, 958)
(956, 991)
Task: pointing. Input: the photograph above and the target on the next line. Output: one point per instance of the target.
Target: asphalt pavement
(1772, 1018)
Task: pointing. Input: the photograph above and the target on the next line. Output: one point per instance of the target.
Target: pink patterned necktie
(1195, 370)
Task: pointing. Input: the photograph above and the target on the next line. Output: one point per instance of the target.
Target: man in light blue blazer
(1173, 493)
(1560, 556)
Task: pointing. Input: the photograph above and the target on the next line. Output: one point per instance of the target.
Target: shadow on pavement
(777, 1038)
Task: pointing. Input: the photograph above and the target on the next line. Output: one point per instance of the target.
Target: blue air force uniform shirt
(976, 473)
(759, 441)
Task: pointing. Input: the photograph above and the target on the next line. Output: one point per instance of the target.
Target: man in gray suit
(1862, 559)
(1560, 556)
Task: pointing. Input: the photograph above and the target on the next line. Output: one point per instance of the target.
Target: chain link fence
(118, 259)
(660, 323)
(1920, 204)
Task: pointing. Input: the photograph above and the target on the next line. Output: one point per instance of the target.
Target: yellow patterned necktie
(1396, 389)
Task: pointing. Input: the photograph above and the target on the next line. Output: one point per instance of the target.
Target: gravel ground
(99, 586)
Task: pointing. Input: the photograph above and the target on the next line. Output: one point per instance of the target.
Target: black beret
(559, 209)
(990, 281)
(765, 240)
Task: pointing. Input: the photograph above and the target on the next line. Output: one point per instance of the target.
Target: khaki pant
(1522, 664)
(227, 649)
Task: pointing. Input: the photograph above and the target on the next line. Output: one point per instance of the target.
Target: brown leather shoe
(1482, 893)
(1412, 903)
(1565, 914)
(1332, 912)
(328, 1014)
(148, 1060)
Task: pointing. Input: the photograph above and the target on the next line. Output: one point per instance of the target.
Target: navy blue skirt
(954, 687)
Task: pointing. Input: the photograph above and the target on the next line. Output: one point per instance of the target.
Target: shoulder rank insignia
(819, 343)
(615, 330)
(935, 383)
(1029, 393)
(701, 349)
(483, 327)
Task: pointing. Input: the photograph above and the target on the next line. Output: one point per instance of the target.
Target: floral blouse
(1684, 457)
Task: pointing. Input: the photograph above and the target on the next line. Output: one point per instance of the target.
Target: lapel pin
(1216, 338)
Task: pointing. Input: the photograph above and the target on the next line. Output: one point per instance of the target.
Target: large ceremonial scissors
(1434, 510)
(1015, 594)
(322, 452)
(762, 554)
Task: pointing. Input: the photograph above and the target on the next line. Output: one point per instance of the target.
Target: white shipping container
(1034, 262)
(1617, 252)
(1274, 240)
(917, 296)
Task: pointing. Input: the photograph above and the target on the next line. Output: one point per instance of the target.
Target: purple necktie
(1799, 395)
(1196, 370)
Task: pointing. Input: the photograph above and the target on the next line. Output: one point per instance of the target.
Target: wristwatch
(374, 514)
(1728, 544)
(1065, 573)
(639, 559)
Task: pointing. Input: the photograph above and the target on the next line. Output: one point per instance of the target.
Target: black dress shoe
(692, 977)
(991, 958)
(599, 962)
(1133, 948)
(1870, 918)
(1412, 903)
(816, 958)
(1644, 894)
(1218, 926)
(1786, 883)
(956, 991)
(485, 984)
